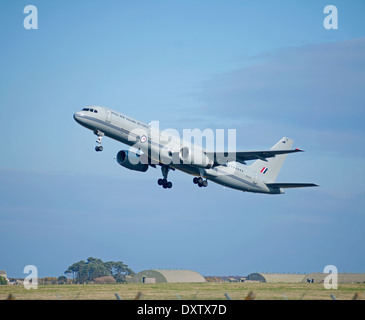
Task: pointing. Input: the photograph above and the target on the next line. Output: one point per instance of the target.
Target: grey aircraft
(155, 148)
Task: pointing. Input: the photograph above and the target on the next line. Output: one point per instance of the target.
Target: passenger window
(95, 111)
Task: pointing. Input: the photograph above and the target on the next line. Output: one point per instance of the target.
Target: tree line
(93, 268)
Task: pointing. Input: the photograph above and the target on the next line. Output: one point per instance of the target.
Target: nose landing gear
(100, 135)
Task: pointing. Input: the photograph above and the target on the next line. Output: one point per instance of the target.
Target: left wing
(221, 158)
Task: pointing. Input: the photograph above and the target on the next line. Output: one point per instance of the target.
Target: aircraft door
(108, 116)
(255, 178)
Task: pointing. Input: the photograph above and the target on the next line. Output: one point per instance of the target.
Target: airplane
(154, 148)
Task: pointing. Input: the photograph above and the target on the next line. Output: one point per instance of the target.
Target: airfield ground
(185, 291)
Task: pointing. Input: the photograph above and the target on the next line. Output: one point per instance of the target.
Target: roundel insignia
(143, 139)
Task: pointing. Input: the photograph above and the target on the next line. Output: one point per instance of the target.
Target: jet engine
(198, 158)
(132, 161)
(185, 155)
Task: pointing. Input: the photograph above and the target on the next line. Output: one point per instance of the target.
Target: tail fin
(270, 169)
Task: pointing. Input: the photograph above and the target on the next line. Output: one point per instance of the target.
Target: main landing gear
(100, 134)
(200, 182)
(163, 182)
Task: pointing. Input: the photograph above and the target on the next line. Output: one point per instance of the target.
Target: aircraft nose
(77, 116)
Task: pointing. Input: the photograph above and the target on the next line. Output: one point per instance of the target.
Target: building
(276, 277)
(166, 276)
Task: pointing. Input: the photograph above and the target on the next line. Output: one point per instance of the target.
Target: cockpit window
(91, 110)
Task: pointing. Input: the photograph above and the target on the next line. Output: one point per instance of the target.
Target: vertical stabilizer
(269, 170)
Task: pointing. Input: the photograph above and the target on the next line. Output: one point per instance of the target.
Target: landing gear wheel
(100, 135)
(164, 183)
(200, 182)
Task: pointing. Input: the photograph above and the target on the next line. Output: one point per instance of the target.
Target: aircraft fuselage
(104, 121)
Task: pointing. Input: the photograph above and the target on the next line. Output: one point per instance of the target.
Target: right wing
(221, 158)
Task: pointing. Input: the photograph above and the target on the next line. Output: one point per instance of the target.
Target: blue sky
(265, 68)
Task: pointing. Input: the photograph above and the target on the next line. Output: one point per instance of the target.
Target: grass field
(185, 291)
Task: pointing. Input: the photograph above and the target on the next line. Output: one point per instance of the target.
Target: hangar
(165, 276)
(276, 277)
(310, 277)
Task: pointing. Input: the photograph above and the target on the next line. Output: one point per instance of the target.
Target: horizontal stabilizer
(291, 185)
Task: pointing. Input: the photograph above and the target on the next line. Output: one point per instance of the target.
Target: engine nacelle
(132, 161)
(185, 155)
(198, 158)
